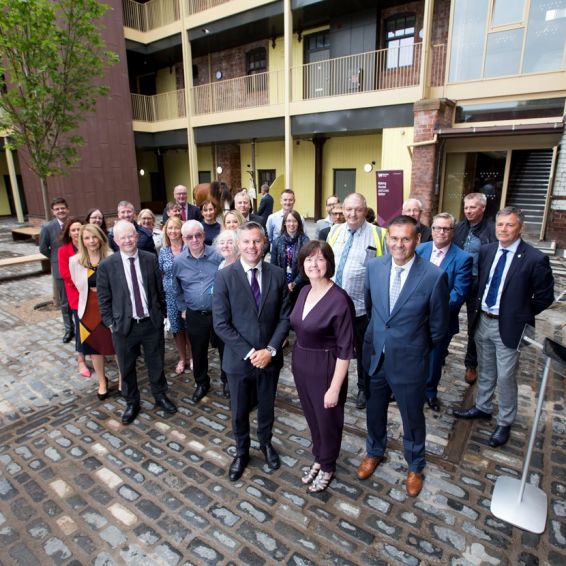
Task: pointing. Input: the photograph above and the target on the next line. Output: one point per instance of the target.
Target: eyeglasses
(198, 236)
(442, 229)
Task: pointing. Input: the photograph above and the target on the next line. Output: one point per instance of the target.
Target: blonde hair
(94, 230)
(238, 216)
(146, 211)
(170, 222)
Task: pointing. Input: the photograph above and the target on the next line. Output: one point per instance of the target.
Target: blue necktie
(343, 258)
(491, 297)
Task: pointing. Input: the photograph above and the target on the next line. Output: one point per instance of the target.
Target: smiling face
(354, 211)
(126, 212)
(226, 246)
(412, 208)
(402, 240)
(231, 221)
(91, 241)
(291, 225)
(146, 220)
(194, 240)
(209, 213)
(180, 194)
(60, 211)
(473, 210)
(96, 218)
(242, 204)
(250, 244)
(173, 232)
(287, 201)
(442, 231)
(508, 229)
(126, 238)
(315, 266)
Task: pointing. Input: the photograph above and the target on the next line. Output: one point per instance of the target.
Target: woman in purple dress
(323, 320)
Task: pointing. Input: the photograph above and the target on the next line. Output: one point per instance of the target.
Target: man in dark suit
(407, 303)
(515, 284)
(413, 207)
(49, 244)
(188, 211)
(458, 266)
(127, 211)
(250, 310)
(243, 204)
(266, 204)
(132, 305)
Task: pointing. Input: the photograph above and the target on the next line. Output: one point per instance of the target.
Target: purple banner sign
(389, 195)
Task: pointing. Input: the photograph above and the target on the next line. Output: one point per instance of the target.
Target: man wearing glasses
(458, 266)
(194, 270)
(337, 217)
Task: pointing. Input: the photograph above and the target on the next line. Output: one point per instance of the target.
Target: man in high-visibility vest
(354, 244)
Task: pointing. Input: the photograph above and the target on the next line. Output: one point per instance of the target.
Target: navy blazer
(418, 322)
(458, 266)
(240, 325)
(114, 296)
(528, 289)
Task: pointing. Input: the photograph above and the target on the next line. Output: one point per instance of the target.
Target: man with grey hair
(354, 243)
(458, 266)
(132, 304)
(515, 284)
(194, 270)
(243, 204)
(326, 222)
(414, 207)
(127, 211)
(470, 235)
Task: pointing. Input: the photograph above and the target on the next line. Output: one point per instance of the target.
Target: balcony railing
(438, 64)
(151, 15)
(165, 106)
(391, 68)
(195, 6)
(252, 91)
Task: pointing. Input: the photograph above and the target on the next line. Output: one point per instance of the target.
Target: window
(266, 176)
(256, 61)
(399, 40)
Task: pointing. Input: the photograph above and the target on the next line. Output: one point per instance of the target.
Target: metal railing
(251, 91)
(195, 6)
(151, 15)
(165, 106)
(437, 64)
(392, 68)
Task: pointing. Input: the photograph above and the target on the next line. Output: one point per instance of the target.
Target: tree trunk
(43, 183)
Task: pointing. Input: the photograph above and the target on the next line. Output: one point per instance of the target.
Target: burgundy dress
(325, 334)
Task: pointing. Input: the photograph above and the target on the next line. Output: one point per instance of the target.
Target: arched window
(400, 40)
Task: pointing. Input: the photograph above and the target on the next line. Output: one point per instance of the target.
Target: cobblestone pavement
(77, 487)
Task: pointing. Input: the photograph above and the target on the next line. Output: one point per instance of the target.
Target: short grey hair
(358, 196)
(251, 225)
(191, 225)
(512, 210)
(121, 227)
(232, 234)
(243, 193)
(126, 204)
(418, 201)
(444, 216)
(478, 196)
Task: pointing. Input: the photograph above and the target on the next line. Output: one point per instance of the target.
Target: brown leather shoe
(471, 375)
(414, 483)
(368, 466)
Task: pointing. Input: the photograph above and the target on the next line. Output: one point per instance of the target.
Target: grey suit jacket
(240, 325)
(49, 244)
(418, 321)
(114, 296)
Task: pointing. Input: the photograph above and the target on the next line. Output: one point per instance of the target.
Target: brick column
(429, 115)
(228, 157)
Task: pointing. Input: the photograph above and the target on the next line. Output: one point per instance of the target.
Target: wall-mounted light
(219, 170)
(206, 31)
(142, 172)
(368, 167)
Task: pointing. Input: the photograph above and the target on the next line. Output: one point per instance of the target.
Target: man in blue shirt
(193, 277)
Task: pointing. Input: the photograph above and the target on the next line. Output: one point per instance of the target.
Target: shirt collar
(126, 257)
(247, 267)
(512, 248)
(407, 266)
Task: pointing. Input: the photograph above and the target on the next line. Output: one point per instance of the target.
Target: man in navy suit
(407, 303)
(458, 266)
(250, 312)
(515, 284)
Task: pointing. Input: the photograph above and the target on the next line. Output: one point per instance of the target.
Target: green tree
(52, 63)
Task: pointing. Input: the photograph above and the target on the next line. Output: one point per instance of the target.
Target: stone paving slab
(77, 487)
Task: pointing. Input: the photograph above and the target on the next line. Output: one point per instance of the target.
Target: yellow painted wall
(268, 155)
(176, 165)
(303, 177)
(165, 80)
(395, 154)
(204, 157)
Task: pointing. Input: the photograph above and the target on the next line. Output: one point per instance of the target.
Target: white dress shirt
(127, 271)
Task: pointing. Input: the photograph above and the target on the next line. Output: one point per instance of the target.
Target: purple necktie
(255, 288)
(136, 288)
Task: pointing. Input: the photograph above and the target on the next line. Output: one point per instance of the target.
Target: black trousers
(471, 359)
(65, 309)
(360, 326)
(199, 331)
(257, 386)
(144, 335)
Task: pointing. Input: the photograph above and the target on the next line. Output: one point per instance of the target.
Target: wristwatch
(272, 351)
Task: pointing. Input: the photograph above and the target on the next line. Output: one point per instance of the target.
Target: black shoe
(102, 396)
(238, 466)
(130, 413)
(163, 402)
(500, 436)
(434, 404)
(226, 390)
(69, 335)
(361, 399)
(271, 456)
(200, 392)
(471, 413)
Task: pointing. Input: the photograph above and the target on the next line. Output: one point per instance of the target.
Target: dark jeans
(360, 326)
(471, 359)
(199, 331)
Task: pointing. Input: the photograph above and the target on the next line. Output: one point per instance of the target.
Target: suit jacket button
(387, 326)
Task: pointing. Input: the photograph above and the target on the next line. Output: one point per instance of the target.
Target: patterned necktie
(136, 288)
(256, 291)
(343, 258)
(438, 257)
(395, 289)
(184, 213)
(491, 297)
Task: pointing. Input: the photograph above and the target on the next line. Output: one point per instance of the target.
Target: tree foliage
(52, 62)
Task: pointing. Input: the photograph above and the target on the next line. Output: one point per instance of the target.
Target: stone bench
(20, 260)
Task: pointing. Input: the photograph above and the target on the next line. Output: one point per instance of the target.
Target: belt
(489, 315)
(138, 320)
(201, 313)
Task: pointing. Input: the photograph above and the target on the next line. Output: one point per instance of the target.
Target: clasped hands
(260, 358)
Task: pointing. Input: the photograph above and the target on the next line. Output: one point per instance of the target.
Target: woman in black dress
(323, 319)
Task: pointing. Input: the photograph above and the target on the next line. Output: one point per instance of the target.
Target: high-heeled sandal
(104, 396)
(321, 482)
(311, 474)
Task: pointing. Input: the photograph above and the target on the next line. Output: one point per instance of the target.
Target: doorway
(344, 183)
